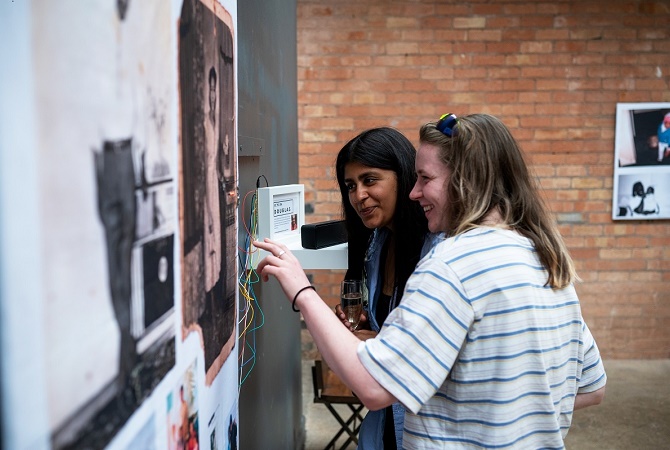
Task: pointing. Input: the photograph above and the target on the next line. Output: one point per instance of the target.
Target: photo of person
(182, 413)
(642, 135)
(208, 181)
(663, 140)
(642, 196)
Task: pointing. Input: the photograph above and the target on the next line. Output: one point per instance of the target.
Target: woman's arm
(589, 399)
(337, 345)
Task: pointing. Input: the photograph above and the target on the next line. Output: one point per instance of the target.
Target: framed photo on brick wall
(641, 189)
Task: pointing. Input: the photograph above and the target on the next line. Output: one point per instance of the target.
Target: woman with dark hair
(372, 157)
(375, 173)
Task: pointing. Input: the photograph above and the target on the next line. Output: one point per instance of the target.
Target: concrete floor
(634, 415)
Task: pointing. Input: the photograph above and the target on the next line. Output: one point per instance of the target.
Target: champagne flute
(351, 297)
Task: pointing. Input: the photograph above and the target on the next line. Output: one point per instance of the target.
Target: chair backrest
(328, 388)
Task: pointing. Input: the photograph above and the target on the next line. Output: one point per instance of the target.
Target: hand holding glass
(351, 296)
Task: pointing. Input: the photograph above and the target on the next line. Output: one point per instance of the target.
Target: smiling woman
(432, 178)
(372, 193)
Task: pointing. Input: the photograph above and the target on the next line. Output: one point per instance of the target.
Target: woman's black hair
(384, 148)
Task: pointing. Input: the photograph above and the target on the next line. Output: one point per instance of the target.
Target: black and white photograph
(107, 147)
(642, 196)
(208, 183)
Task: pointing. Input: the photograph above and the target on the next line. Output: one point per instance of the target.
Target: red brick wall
(553, 71)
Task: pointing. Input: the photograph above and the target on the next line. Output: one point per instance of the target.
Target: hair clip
(447, 124)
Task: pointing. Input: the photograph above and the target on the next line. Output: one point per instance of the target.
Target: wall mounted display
(642, 162)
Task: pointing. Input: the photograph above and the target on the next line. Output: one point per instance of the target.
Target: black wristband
(298, 293)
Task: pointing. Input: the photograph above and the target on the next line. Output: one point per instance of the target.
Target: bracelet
(298, 293)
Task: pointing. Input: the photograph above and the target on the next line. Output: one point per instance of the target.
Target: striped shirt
(481, 352)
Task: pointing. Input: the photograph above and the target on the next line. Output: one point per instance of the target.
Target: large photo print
(209, 180)
(107, 197)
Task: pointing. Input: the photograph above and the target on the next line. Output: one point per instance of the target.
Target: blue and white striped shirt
(481, 352)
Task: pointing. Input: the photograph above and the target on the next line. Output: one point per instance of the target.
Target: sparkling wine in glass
(351, 297)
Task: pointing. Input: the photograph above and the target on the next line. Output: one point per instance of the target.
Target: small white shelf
(334, 257)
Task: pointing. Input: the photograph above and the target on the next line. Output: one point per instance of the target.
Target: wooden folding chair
(329, 390)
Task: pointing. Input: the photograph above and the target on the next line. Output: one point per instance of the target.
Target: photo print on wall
(104, 85)
(641, 188)
(182, 411)
(208, 180)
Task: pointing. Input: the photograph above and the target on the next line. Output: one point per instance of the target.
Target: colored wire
(251, 314)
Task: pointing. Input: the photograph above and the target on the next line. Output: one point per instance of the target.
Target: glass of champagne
(351, 297)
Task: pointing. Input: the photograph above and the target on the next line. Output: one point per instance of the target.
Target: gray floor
(634, 415)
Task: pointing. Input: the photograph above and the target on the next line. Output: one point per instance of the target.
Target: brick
(504, 47)
(369, 98)
(570, 218)
(402, 22)
(317, 136)
(537, 47)
(469, 22)
(402, 48)
(461, 46)
(437, 73)
(518, 34)
(552, 35)
(422, 60)
(537, 72)
(521, 60)
(484, 35)
(386, 60)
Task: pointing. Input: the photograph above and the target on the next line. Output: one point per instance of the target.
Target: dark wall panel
(270, 399)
